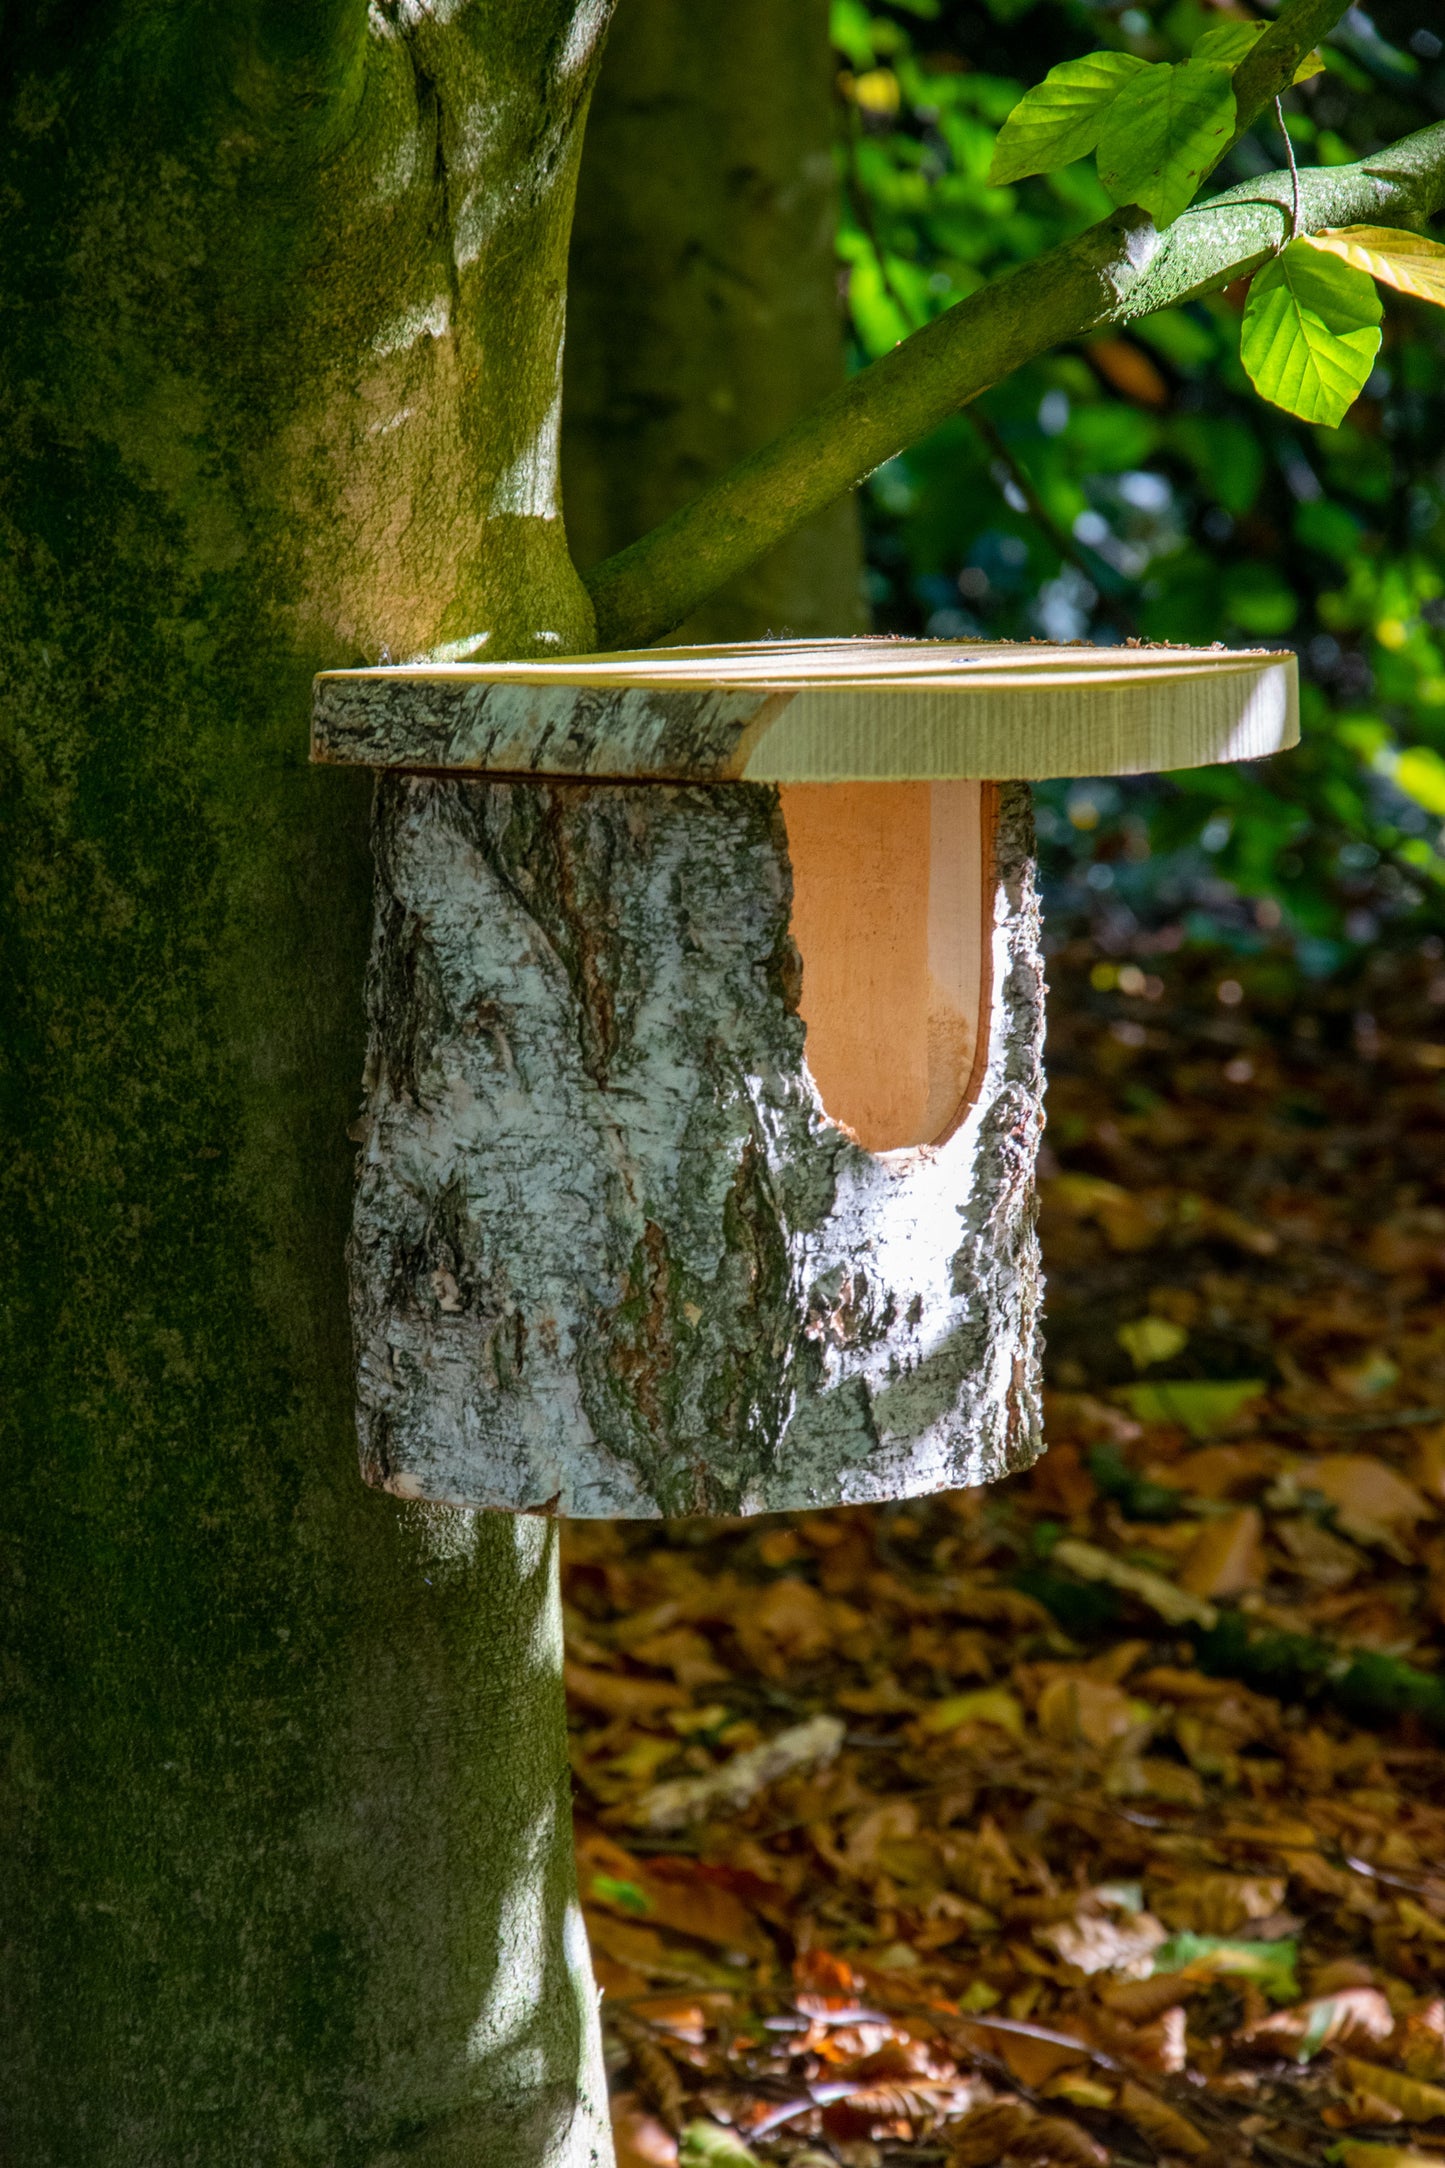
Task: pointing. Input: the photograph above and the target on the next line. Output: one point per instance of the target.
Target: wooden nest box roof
(817, 711)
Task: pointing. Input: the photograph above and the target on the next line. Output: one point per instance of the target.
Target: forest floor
(1099, 1814)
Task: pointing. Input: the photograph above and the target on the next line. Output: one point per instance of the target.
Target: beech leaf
(1228, 42)
(1311, 333)
(1352, 2015)
(1410, 262)
(1163, 133)
(1059, 120)
(1416, 2102)
(1164, 2127)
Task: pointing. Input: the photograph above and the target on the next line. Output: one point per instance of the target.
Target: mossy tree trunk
(286, 1853)
(286, 1837)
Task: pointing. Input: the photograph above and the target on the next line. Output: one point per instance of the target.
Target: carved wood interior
(891, 922)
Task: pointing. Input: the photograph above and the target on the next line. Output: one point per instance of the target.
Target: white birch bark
(609, 1257)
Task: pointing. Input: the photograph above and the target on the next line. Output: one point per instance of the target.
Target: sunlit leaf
(1060, 119)
(876, 91)
(1311, 65)
(1162, 134)
(1311, 333)
(1420, 773)
(1228, 42)
(1150, 1339)
(1410, 262)
(987, 1705)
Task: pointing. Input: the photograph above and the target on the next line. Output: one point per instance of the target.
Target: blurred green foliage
(1134, 484)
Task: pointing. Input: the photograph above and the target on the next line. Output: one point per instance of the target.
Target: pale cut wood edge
(988, 816)
(1028, 733)
(1036, 713)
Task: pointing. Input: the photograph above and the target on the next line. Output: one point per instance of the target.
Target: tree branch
(1121, 268)
(1267, 72)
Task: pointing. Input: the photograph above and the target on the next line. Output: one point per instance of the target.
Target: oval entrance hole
(890, 919)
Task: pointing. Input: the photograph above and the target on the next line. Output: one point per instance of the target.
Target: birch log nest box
(704, 1082)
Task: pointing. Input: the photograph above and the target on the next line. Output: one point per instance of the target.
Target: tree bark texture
(609, 1257)
(703, 300)
(286, 1862)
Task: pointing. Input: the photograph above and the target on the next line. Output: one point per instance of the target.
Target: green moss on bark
(286, 1855)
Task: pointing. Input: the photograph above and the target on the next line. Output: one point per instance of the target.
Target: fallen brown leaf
(1351, 2017)
(617, 1693)
(641, 2139)
(1227, 1556)
(1218, 1904)
(1076, 1709)
(738, 1781)
(1162, 2125)
(1009, 2130)
(1372, 1503)
(1411, 2098)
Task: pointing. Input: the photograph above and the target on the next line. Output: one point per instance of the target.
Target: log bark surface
(609, 1257)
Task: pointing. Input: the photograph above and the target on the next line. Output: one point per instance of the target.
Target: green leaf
(1259, 598)
(1059, 120)
(708, 2145)
(1227, 456)
(1228, 43)
(1163, 133)
(1203, 1408)
(626, 1895)
(1311, 333)
(1420, 773)
(1323, 525)
(1217, 1957)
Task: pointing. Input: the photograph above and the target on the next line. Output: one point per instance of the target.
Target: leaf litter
(1098, 1815)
